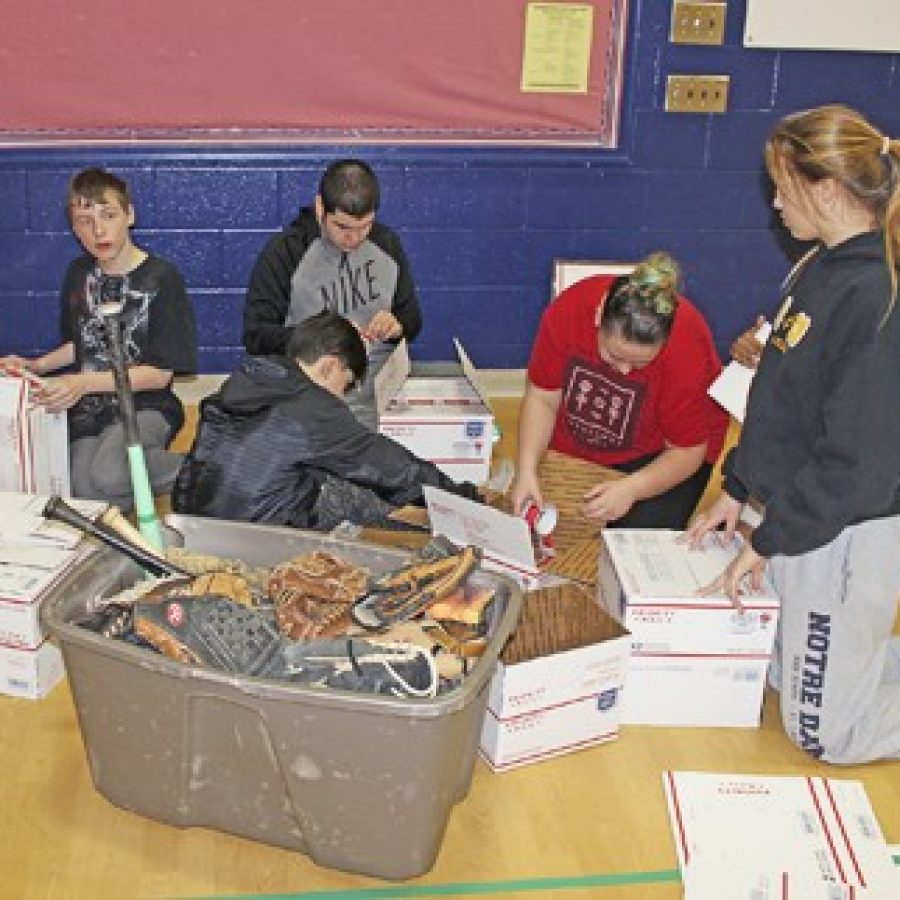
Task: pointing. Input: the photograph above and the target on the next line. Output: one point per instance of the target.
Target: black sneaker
(364, 666)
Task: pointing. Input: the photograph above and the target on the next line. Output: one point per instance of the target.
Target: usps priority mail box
(694, 691)
(695, 660)
(650, 582)
(34, 443)
(559, 682)
(30, 673)
(444, 419)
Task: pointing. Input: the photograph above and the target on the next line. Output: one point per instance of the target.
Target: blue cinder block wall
(482, 226)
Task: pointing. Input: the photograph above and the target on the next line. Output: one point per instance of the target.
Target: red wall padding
(405, 66)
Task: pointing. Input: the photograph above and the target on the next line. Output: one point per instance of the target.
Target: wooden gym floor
(590, 824)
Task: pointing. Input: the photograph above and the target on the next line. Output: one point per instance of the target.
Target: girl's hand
(733, 581)
(724, 512)
(747, 349)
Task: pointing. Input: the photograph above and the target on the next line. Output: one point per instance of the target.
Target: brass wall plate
(697, 93)
(698, 23)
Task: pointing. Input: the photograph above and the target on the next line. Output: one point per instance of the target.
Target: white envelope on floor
(755, 837)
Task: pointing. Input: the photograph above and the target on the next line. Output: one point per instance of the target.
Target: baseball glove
(224, 584)
(312, 594)
(405, 592)
(212, 631)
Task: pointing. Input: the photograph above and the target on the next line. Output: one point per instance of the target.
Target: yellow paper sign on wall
(556, 54)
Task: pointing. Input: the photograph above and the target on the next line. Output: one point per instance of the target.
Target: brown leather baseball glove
(313, 592)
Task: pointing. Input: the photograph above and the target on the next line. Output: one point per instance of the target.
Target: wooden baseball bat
(144, 507)
(113, 518)
(152, 562)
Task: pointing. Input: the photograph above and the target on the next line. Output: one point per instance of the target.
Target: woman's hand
(525, 489)
(609, 500)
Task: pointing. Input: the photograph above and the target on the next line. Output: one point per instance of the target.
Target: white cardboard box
(560, 701)
(20, 623)
(694, 660)
(34, 444)
(445, 420)
(698, 691)
(557, 703)
(30, 673)
(650, 583)
(22, 590)
(35, 553)
(545, 733)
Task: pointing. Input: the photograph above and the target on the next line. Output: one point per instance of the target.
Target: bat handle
(144, 507)
(137, 464)
(57, 508)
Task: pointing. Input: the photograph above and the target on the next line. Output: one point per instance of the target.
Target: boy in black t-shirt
(158, 336)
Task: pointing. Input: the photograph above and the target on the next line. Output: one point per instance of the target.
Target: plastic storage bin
(357, 782)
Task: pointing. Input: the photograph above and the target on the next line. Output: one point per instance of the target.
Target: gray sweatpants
(837, 664)
(99, 465)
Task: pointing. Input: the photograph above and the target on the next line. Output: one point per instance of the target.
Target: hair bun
(654, 282)
(658, 271)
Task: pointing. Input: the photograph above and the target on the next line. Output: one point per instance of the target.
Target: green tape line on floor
(482, 887)
(460, 889)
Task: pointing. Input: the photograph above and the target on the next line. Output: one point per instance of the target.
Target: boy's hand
(747, 349)
(13, 365)
(383, 326)
(609, 500)
(57, 394)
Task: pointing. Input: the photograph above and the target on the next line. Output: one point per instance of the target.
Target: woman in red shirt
(618, 376)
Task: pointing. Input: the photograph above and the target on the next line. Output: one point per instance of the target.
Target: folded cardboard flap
(444, 420)
(461, 380)
(555, 619)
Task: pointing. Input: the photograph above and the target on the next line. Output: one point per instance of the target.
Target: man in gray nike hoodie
(335, 256)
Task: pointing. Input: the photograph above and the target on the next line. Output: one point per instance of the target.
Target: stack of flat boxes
(695, 660)
(30, 665)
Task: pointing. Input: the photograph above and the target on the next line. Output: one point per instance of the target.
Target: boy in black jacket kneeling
(278, 444)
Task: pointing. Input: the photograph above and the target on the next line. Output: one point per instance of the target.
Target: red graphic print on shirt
(601, 407)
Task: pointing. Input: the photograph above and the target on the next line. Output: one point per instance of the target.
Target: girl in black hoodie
(820, 446)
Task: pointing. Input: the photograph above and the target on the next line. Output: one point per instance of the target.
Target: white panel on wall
(869, 25)
(567, 271)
